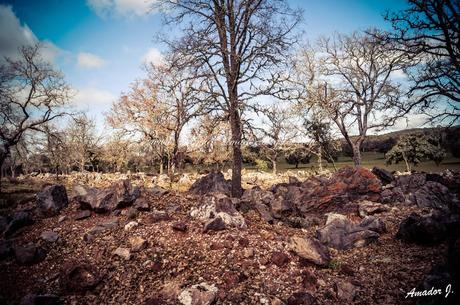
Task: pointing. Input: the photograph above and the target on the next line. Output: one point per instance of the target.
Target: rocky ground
(346, 238)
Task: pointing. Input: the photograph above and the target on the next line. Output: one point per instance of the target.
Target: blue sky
(100, 45)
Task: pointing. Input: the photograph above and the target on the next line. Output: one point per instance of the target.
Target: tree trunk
(3, 155)
(406, 162)
(356, 155)
(235, 124)
(161, 166)
(274, 166)
(320, 160)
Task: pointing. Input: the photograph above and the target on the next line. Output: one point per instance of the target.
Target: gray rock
(141, 205)
(82, 214)
(6, 249)
(311, 250)
(43, 299)
(18, 221)
(340, 233)
(199, 294)
(385, 176)
(345, 291)
(301, 298)
(215, 224)
(211, 183)
(422, 230)
(433, 195)
(52, 199)
(49, 236)
(29, 254)
(371, 208)
(124, 253)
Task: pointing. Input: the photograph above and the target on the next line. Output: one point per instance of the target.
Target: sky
(101, 45)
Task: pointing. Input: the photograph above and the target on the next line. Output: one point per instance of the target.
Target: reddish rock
(280, 259)
(301, 298)
(179, 226)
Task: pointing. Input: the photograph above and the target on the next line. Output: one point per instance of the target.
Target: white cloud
(120, 8)
(91, 97)
(153, 56)
(88, 60)
(13, 36)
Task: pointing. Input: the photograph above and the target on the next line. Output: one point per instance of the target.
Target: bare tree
(32, 93)
(240, 47)
(429, 32)
(277, 130)
(181, 96)
(351, 79)
(82, 140)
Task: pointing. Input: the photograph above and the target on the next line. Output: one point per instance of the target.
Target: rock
(49, 236)
(422, 230)
(82, 215)
(264, 212)
(123, 253)
(3, 223)
(280, 259)
(44, 299)
(374, 224)
(345, 291)
(393, 195)
(212, 183)
(158, 216)
(301, 298)
(158, 191)
(219, 206)
(215, 224)
(137, 243)
(439, 277)
(311, 250)
(62, 218)
(248, 253)
(79, 277)
(340, 233)
(29, 254)
(200, 294)
(52, 199)
(371, 208)
(280, 207)
(19, 220)
(6, 249)
(385, 176)
(410, 183)
(179, 226)
(258, 199)
(119, 195)
(131, 225)
(141, 204)
(433, 195)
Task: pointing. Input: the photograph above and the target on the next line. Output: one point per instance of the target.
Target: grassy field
(371, 159)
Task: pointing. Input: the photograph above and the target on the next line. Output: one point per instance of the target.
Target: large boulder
(119, 195)
(311, 250)
(29, 254)
(433, 195)
(342, 234)
(385, 176)
(422, 230)
(212, 183)
(219, 206)
(52, 199)
(18, 221)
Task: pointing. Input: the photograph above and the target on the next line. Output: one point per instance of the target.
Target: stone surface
(385, 176)
(211, 183)
(311, 250)
(433, 195)
(79, 277)
(179, 226)
(219, 206)
(141, 204)
(199, 294)
(137, 243)
(423, 230)
(29, 254)
(43, 299)
(371, 208)
(82, 215)
(342, 234)
(6, 249)
(215, 224)
(279, 259)
(49, 236)
(52, 199)
(124, 253)
(131, 225)
(345, 291)
(18, 221)
(301, 298)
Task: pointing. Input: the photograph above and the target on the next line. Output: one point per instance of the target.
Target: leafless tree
(32, 93)
(240, 47)
(351, 78)
(277, 130)
(429, 32)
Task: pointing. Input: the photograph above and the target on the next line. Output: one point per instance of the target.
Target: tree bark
(3, 155)
(235, 124)
(356, 155)
(274, 166)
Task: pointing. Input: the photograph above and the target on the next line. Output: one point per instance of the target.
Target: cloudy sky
(100, 45)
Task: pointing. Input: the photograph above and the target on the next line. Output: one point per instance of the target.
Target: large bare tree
(238, 46)
(429, 31)
(32, 93)
(352, 79)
